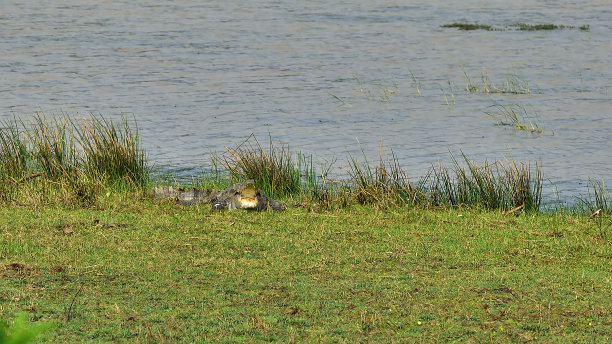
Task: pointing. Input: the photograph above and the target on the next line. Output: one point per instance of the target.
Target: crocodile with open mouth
(238, 196)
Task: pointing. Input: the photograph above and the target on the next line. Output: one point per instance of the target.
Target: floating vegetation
(518, 26)
(513, 84)
(468, 27)
(517, 117)
(540, 27)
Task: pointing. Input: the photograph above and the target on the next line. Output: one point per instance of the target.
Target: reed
(274, 170)
(469, 86)
(517, 117)
(14, 153)
(512, 84)
(452, 94)
(113, 153)
(491, 186)
(53, 148)
(526, 186)
(79, 158)
(597, 200)
(385, 184)
(515, 85)
(439, 187)
(417, 83)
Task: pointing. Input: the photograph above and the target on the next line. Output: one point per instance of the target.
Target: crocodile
(238, 196)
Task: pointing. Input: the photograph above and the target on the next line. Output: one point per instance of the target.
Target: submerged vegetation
(513, 84)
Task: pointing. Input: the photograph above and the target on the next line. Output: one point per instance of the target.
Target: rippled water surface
(322, 76)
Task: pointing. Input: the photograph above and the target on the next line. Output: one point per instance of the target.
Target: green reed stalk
(273, 171)
(53, 148)
(14, 153)
(112, 153)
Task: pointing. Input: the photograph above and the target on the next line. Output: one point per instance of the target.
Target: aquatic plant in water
(468, 26)
(512, 84)
(518, 26)
(517, 117)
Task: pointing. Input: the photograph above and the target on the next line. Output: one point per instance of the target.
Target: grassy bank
(138, 270)
(463, 254)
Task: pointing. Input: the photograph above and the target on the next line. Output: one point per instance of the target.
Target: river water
(326, 78)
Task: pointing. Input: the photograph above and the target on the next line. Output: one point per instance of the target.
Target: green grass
(14, 152)
(136, 270)
(506, 186)
(21, 331)
(86, 155)
(112, 152)
(274, 170)
(464, 254)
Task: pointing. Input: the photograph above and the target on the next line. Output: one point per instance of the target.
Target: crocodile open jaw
(248, 196)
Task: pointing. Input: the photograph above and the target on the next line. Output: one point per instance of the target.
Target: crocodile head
(247, 198)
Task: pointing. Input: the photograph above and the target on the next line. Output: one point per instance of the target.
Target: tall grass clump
(384, 184)
(66, 159)
(112, 153)
(492, 185)
(273, 170)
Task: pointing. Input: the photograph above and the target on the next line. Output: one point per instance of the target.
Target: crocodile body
(238, 196)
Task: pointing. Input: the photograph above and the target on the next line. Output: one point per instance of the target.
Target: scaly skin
(238, 196)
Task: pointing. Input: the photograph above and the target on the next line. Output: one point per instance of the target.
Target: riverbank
(134, 269)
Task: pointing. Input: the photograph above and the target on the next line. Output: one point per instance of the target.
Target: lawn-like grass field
(137, 270)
